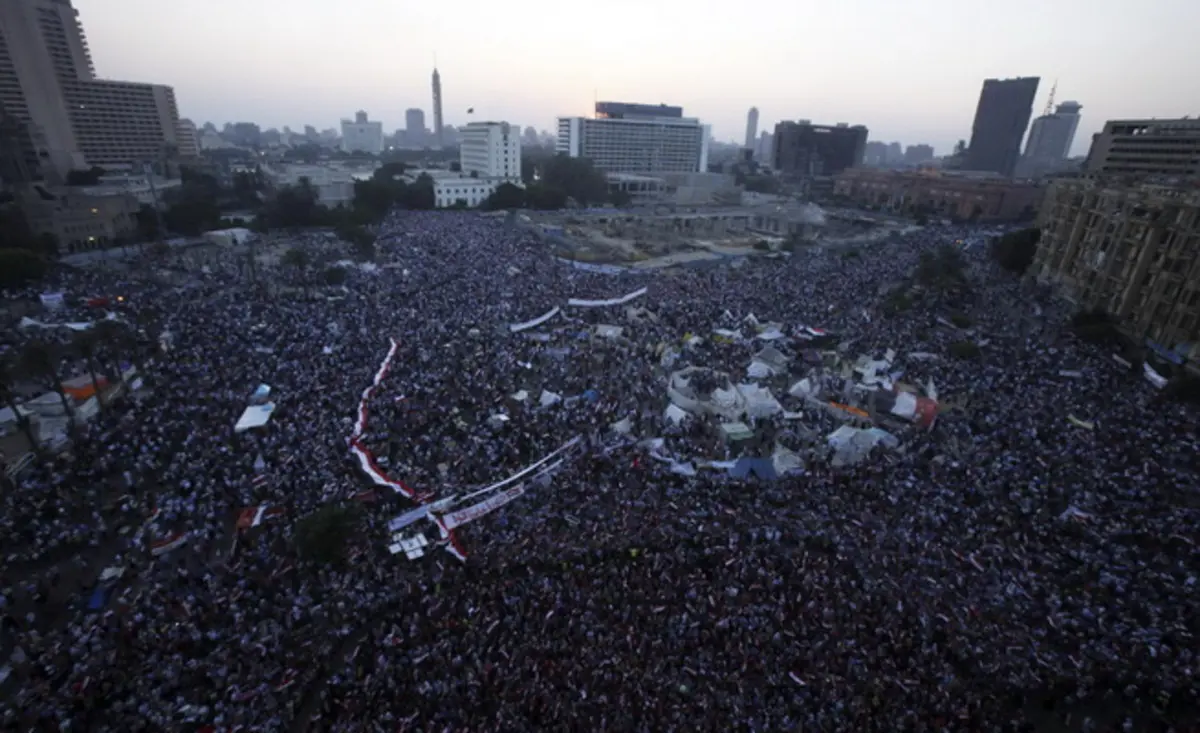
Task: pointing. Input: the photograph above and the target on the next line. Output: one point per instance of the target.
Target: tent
(255, 416)
(763, 468)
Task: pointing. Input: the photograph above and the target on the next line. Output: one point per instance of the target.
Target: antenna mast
(1050, 101)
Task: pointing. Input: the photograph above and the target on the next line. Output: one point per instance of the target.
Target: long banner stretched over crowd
(576, 303)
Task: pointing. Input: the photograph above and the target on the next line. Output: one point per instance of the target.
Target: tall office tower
(491, 150)
(414, 127)
(48, 82)
(636, 138)
(804, 150)
(1001, 117)
(1051, 135)
(437, 107)
(751, 127)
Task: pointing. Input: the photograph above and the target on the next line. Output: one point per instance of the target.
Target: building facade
(805, 150)
(969, 197)
(362, 135)
(751, 128)
(918, 154)
(1130, 250)
(414, 127)
(48, 81)
(1051, 136)
(624, 141)
(1146, 148)
(462, 191)
(1001, 118)
(80, 222)
(491, 150)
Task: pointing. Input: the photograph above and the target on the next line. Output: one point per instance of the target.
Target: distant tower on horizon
(751, 127)
(437, 106)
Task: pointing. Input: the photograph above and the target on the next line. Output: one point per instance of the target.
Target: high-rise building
(1001, 117)
(636, 138)
(1051, 135)
(918, 154)
(438, 133)
(362, 135)
(491, 150)
(414, 127)
(1129, 250)
(751, 127)
(766, 148)
(48, 82)
(1169, 148)
(19, 161)
(805, 150)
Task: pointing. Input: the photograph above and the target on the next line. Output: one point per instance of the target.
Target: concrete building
(805, 150)
(1130, 250)
(959, 195)
(918, 154)
(491, 150)
(362, 135)
(1146, 148)
(334, 184)
(635, 138)
(77, 221)
(765, 151)
(48, 81)
(146, 189)
(751, 128)
(1051, 136)
(415, 133)
(189, 139)
(1001, 117)
(462, 190)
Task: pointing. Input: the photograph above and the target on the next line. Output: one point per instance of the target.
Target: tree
(8, 379)
(323, 535)
(193, 208)
(964, 350)
(85, 177)
(544, 198)
(246, 188)
(116, 340)
(296, 206)
(506, 196)
(941, 268)
(334, 276)
(1016, 251)
(295, 257)
(147, 223)
(84, 343)
(455, 166)
(40, 360)
(620, 198)
(577, 178)
(19, 267)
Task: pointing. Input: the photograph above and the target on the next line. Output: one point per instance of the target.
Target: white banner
(579, 303)
(475, 511)
(516, 327)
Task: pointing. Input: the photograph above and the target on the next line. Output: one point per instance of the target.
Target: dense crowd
(1005, 570)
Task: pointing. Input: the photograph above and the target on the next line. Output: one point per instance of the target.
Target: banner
(580, 303)
(164, 546)
(475, 511)
(517, 327)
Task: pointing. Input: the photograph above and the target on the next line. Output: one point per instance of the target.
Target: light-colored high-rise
(362, 135)
(1050, 136)
(76, 120)
(633, 138)
(491, 150)
(751, 127)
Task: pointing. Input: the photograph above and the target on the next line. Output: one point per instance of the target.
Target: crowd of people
(1006, 570)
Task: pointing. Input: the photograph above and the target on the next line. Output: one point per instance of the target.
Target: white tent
(255, 416)
(549, 398)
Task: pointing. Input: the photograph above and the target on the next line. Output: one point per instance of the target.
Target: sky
(910, 70)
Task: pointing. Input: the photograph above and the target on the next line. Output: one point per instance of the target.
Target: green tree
(147, 223)
(86, 177)
(295, 257)
(19, 267)
(193, 207)
(247, 187)
(334, 276)
(9, 375)
(323, 535)
(1016, 251)
(296, 207)
(941, 268)
(577, 178)
(544, 198)
(506, 196)
(39, 361)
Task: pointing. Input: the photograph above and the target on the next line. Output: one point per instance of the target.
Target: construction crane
(1050, 101)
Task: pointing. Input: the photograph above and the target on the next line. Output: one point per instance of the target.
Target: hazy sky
(910, 70)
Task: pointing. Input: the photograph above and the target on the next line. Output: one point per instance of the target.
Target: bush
(1015, 251)
(896, 301)
(960, 320)
(19, 266)
(965, 350)
(323, 535)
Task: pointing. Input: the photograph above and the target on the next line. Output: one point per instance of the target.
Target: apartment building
(636, 138)
(1146, 148)
(967, 196)
(491, 150)
(1131, 250)
(75, 120)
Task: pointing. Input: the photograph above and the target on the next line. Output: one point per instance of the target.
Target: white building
(636, 144)
(491, 150)
(334, 185)
(463, 190)
(362, 135)
(149, 190)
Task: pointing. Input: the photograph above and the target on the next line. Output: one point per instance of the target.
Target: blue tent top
(764, 468)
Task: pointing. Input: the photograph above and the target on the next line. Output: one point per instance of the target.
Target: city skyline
(911, 74)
